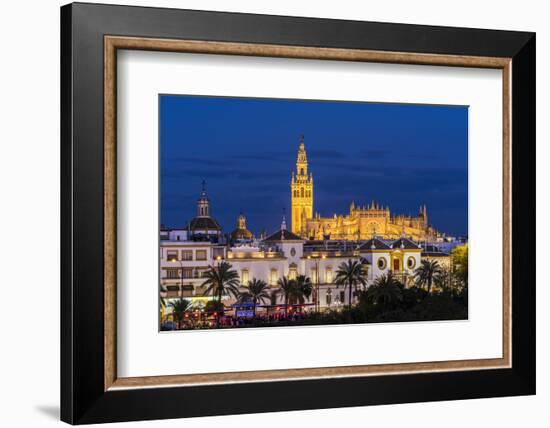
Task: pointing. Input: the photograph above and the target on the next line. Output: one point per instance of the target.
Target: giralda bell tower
(301, 188)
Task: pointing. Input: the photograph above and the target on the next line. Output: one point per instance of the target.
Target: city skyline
(399, 155)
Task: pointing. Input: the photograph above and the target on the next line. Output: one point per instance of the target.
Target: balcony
(255, 255)
(188, 290)
(403, 277)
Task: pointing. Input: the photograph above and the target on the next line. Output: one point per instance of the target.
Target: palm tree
(221, 280)
(302, 290)
(445, 281)
(427, 273)
(179, 307)
(287, 287)
(350, 274)
(386, 289)
(257, 291)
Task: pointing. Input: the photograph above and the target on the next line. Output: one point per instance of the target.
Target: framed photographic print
(292, 213)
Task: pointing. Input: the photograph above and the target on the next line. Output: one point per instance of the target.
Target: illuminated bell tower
(301, 191)
(203, 203)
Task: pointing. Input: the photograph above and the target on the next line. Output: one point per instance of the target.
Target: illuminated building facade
(281, 254)
(361, 223)
(301, 191)
(315, 247)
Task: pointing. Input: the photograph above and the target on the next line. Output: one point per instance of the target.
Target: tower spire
(301, 161)
(425, 215)
(241, 221)
(203, 203)
(301, 188)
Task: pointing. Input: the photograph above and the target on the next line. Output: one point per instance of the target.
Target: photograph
(291, 212)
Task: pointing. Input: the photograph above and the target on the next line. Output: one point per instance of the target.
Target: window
(342, 296)
(187, 255)
(244, 276)
(273, 277)
(172, 256)
(328, 275)
(292, 272)
(411, 262)
(396, 265)
(201, 254)
(218, 252)
(199, 273)
(187, 272)
(302, 192)
(292, 251)
(329, 297)
(314, 276)
(381, 263)
(172, 273)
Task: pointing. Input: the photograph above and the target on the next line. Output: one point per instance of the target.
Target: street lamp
(181, 269)
(317, 299)
(218, 258)
(318, 294)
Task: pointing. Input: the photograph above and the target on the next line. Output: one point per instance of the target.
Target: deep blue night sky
(401, 155)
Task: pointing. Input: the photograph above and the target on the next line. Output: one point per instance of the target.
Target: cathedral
(362, 223)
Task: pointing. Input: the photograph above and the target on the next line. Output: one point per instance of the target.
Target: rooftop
(404, 243)
(283, 235)
(374, 244)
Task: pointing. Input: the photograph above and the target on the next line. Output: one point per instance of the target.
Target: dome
(204, 223)
(241, 233)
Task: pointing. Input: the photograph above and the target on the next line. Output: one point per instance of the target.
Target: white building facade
(282, 254)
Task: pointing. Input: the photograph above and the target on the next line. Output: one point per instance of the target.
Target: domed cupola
(203, 225)
(241, 233)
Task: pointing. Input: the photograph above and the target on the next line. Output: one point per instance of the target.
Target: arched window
(273, 277)
(301, 171)
(302, 192)
(292, 271)
(328, 275)
(244, 277)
